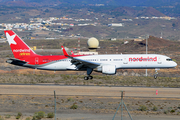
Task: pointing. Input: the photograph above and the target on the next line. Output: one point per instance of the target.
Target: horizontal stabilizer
(16, 62)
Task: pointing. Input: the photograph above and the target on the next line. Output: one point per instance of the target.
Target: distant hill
(106, 2)
(128, 11)
(150, 11)
(154, 45)
(117, 7)
(124, 11)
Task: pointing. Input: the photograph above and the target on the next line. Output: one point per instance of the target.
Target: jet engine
(109, 69)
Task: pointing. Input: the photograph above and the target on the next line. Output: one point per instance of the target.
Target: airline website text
(24, 54)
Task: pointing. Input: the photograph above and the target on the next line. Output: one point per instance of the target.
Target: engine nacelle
(109, 69)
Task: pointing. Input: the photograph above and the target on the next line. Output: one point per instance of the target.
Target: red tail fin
(19, 48)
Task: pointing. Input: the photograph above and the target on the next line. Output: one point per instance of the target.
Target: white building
(116, 24)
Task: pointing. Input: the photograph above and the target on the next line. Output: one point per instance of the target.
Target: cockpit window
(168, 59)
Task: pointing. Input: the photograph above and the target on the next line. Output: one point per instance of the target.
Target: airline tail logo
(10, 39)
(18, 46)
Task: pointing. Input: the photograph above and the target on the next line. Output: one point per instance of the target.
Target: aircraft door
(125, 61)
(36, 61)
(159, 60)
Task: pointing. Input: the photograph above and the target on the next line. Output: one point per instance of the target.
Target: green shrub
(50, 115)
(18, 115)
(8, 116)
(142, 108)
(165, 111)
(74, 106)
(70, 100)
(39, 115)
(178, 113)
(172, 111)
(28, 118)
(34, 118)
(1, 118)
(155, 108)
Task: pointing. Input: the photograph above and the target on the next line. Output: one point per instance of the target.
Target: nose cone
(174, 64)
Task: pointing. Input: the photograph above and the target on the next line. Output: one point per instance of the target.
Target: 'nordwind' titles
(142, 59)
(21, 50)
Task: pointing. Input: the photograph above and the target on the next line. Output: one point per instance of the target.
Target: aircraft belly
(55, 66)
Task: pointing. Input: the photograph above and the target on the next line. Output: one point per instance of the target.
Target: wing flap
(85, 62)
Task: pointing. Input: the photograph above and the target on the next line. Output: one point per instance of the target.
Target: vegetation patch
(50, 115)
(18, 115)
(39, 115)
(142, 108)
(74, 106)
(100, 80)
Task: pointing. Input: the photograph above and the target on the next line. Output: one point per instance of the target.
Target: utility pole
(147, 49)
(116, 49)
(121, 104)
(54, 105)
(78, 44)
(161, 35)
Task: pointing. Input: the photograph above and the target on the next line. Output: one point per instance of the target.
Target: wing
(79, 63)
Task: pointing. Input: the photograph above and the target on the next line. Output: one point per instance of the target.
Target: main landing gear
(88, 77)
(156, 73)
(89, 71)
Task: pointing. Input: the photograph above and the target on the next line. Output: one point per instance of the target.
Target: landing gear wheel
(90, 77)
(156, 73)
(155, 76)
(86, 78)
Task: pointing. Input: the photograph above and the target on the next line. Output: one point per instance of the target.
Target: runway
(89, 91)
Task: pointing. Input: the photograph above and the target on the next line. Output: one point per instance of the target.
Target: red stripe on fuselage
(40, 60)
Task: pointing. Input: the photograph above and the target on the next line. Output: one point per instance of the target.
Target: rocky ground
(92, 102)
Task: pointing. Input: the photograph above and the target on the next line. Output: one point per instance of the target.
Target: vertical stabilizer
(19, 48)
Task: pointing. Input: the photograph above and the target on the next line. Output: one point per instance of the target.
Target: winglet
(72, 52)
(64, 52)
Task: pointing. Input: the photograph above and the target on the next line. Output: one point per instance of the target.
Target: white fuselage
(121, 61)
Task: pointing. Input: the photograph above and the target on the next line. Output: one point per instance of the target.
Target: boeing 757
(106, 64)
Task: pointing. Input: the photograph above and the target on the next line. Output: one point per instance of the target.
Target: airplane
(106, 64)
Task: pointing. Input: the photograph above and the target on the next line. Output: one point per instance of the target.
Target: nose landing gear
(156, 73)
(155, 76)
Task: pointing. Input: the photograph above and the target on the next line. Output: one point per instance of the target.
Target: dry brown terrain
(94, 102)
(96, 99)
